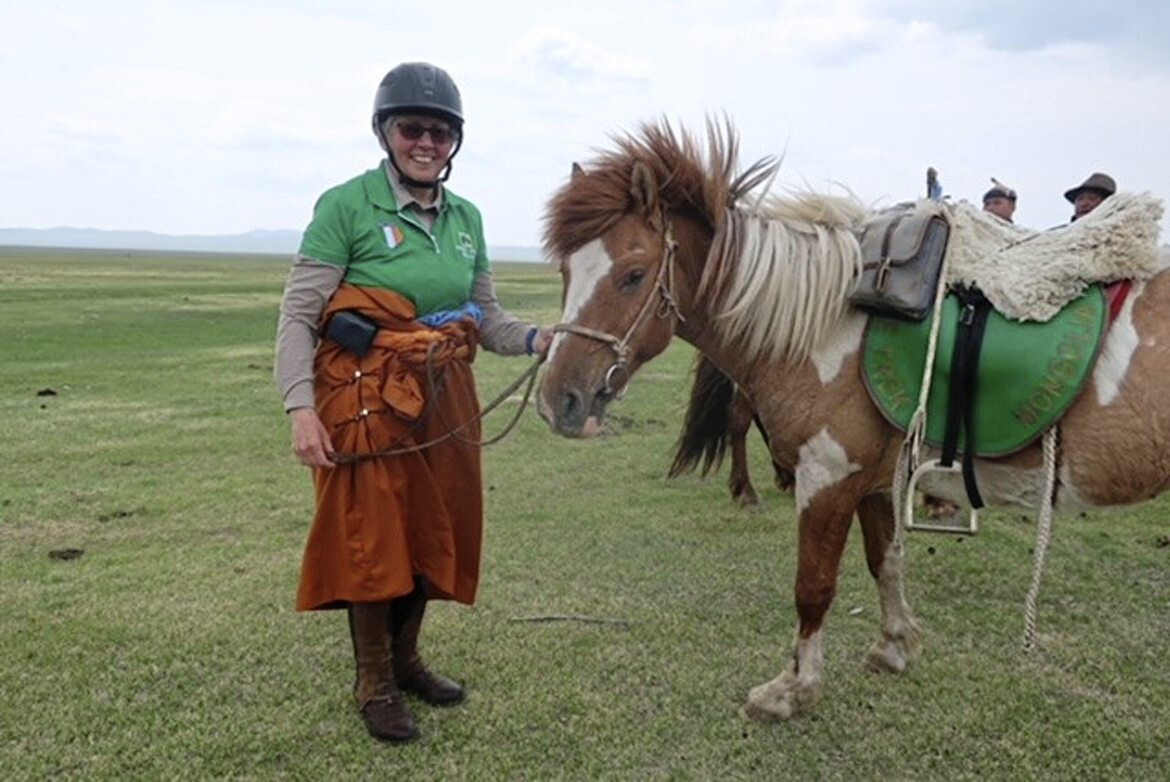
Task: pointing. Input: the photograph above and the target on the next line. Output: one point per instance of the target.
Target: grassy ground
(140, 426)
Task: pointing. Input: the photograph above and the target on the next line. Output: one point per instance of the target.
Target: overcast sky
(206, 117)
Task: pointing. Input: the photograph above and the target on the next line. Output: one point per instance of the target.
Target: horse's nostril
(572, 406)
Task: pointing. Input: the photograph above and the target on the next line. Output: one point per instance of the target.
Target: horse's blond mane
(777, 276)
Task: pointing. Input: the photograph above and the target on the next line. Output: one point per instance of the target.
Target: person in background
(933, 187)
(1000, 200)
(386, 302)
(1089, 194)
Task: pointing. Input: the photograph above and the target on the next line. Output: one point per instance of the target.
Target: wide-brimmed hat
(1098, 182)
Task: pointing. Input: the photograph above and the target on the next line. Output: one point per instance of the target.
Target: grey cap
(999, 190)
(419, 88)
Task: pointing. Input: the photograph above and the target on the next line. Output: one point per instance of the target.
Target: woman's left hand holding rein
(311, 442)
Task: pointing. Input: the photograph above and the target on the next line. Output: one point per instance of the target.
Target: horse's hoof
(759, 713)
(886, 657)
(894, 653)
(746, 500)
(778, 700)
(750, 711)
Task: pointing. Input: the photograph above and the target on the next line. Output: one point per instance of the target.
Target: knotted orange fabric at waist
(393, 372)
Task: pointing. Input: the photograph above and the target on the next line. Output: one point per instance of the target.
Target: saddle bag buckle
(883, 273)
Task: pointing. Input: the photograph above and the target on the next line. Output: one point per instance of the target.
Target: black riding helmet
(419, 88)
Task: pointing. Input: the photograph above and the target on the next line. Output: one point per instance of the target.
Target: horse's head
(618, 297)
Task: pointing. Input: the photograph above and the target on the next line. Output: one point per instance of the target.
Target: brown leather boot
(382, 706)
(406, 615)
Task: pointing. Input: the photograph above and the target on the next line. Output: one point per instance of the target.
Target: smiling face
(421, 145)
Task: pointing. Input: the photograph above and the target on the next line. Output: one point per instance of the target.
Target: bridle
(618, 373)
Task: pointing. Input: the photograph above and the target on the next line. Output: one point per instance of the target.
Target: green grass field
(140, 425)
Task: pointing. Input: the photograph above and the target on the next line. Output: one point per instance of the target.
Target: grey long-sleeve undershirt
(311, 284)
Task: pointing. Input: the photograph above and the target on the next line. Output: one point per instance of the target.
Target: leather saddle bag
(901, 251)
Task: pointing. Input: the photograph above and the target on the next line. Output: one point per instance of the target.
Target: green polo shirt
(358, 225)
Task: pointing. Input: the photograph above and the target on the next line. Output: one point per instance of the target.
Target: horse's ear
(643, 189)
(576, 173)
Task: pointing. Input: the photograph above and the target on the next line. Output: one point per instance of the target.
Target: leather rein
(664, 306)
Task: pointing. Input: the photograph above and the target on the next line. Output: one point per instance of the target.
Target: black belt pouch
(353, 331)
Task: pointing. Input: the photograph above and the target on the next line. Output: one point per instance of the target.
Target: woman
(392, 283)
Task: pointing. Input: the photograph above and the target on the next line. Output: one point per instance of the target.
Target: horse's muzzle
(574, 413)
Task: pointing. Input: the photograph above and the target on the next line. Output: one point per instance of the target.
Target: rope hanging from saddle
(1043, 536)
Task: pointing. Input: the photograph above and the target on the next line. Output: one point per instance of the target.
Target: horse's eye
(632, 278)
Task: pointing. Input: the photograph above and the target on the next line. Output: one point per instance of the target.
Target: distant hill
(280, 242)
(513, 252)
(251, 242)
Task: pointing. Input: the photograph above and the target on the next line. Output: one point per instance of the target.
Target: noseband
(618, 373)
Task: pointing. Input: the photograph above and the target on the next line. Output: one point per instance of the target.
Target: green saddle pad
(1029, 373)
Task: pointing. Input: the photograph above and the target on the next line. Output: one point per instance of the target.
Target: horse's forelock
(583, 209)
(591, 203)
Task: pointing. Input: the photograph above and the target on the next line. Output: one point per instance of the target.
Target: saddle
(1019, 331)
(997, 384)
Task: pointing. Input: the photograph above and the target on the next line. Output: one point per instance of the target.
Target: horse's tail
(705, 429)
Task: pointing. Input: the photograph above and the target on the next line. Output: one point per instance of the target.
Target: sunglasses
(413, 131)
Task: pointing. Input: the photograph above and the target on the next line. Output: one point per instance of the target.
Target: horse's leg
(739, 422)
(824, 524)
(900, 633)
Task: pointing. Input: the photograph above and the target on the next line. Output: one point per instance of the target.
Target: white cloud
(555, 53)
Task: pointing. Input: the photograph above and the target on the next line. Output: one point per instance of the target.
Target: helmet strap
(411, 181)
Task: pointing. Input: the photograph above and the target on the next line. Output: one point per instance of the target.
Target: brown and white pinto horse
(652, 243)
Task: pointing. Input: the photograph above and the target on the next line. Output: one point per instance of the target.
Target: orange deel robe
(381, 521)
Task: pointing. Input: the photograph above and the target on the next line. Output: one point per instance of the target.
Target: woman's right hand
(311, 442)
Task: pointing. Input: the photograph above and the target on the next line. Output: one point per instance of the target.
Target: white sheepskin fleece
(1031, 275)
